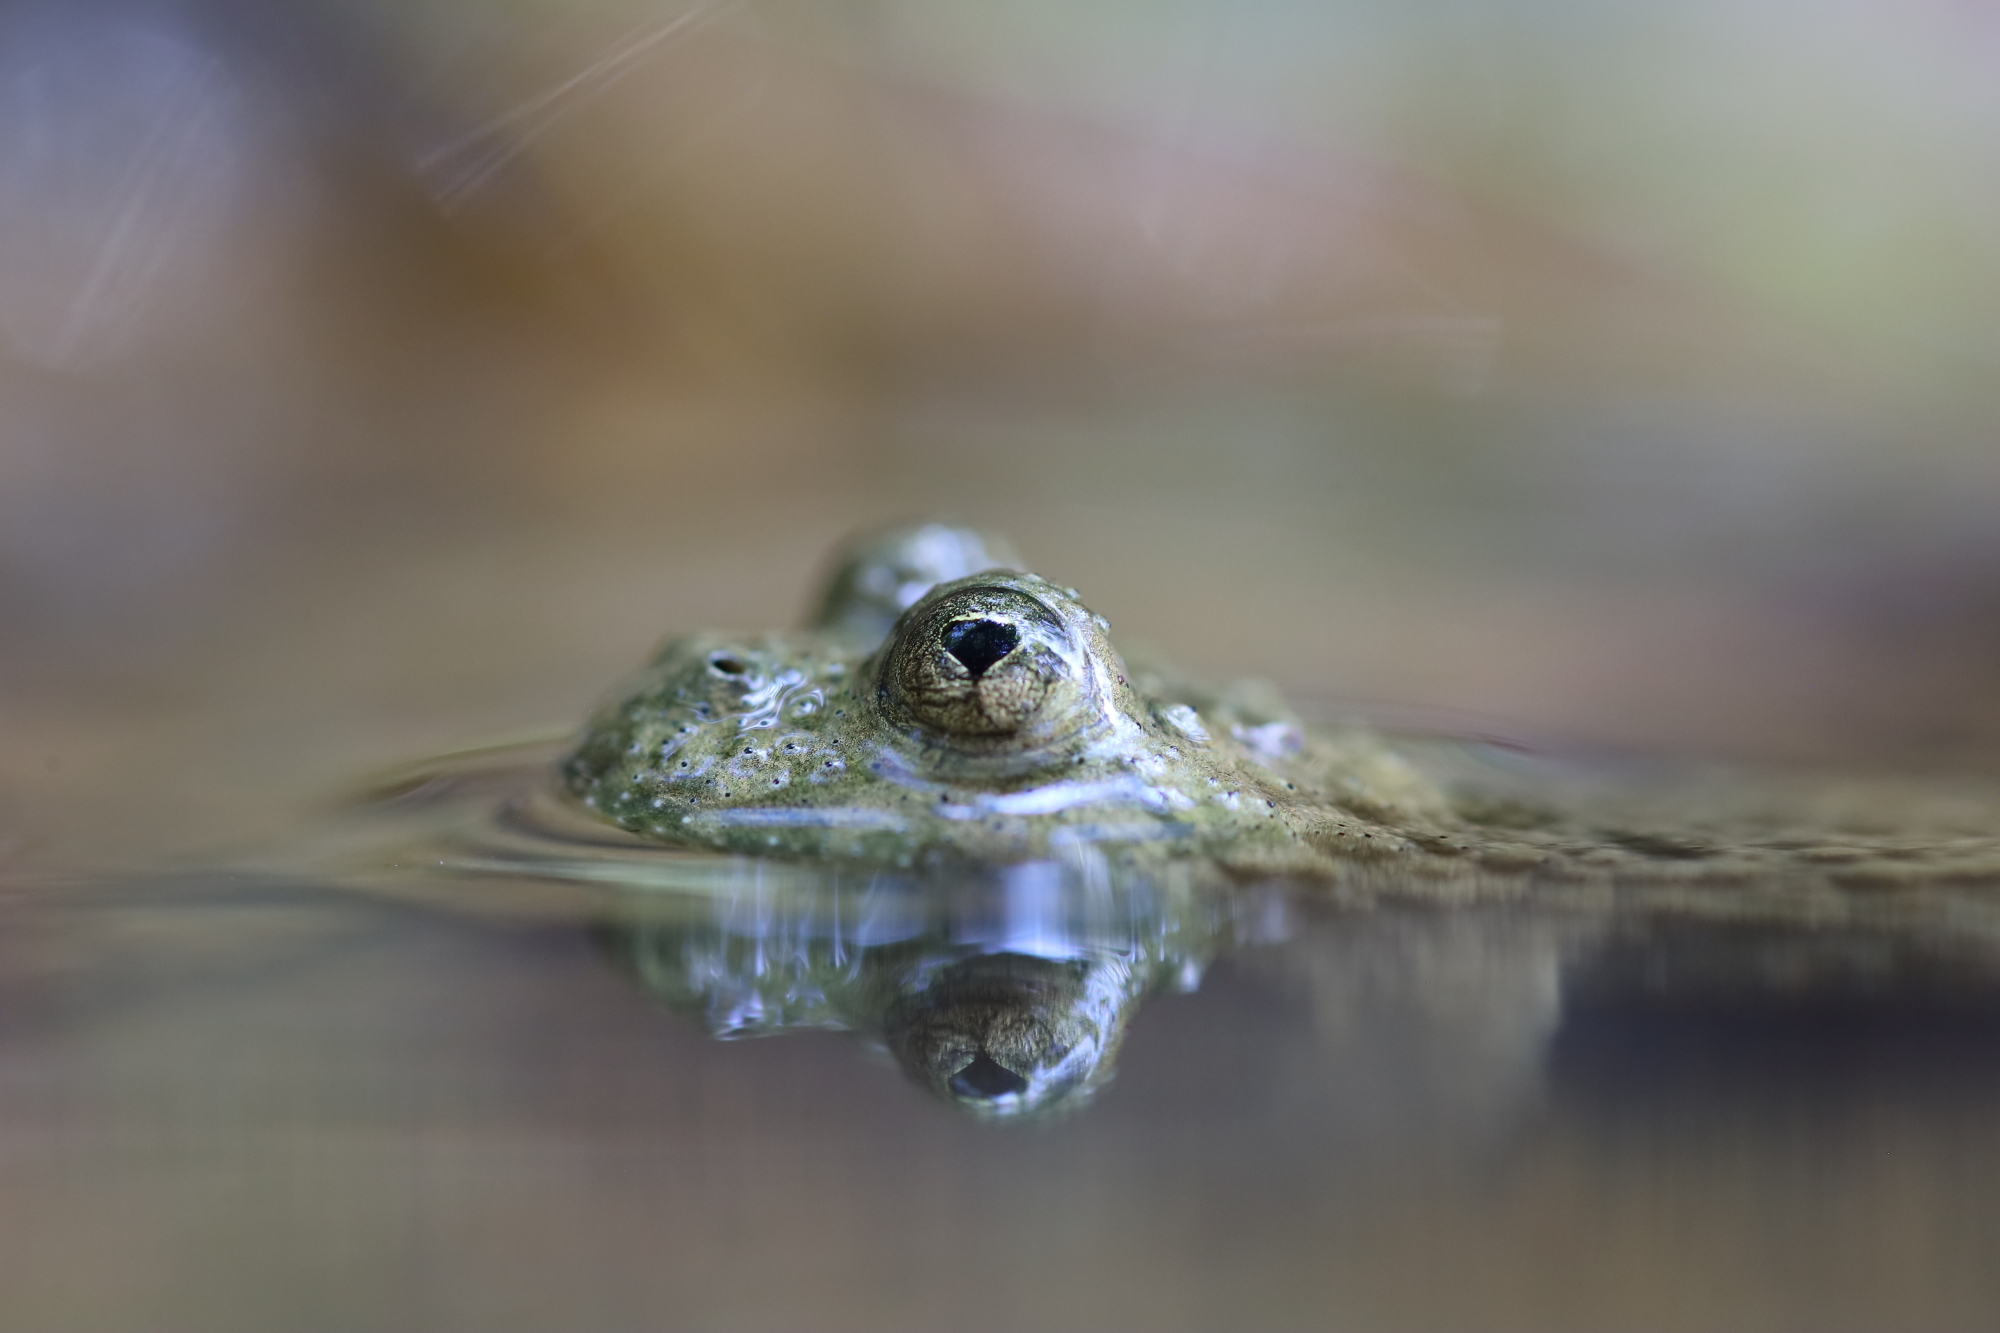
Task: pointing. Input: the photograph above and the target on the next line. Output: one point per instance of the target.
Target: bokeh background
(383, 378)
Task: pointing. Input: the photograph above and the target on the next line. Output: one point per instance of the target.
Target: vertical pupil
(978, 644)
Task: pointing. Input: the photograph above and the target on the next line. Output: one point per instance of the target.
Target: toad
(944, 707)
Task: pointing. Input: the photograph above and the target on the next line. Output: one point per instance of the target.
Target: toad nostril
(987, 1078)
(978, 644)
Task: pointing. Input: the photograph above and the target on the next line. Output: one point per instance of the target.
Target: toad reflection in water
(943, 709)
(1009, 995)
(1006, 994)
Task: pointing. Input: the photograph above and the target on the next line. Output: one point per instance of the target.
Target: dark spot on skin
(978, 644)
(727, 665)
(986, 1079)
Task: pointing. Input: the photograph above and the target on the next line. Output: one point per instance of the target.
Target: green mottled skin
(799, 744)
(867, 735)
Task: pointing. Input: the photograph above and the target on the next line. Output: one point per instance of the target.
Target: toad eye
(987, 666)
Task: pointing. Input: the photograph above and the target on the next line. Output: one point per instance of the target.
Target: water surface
(461, 1067)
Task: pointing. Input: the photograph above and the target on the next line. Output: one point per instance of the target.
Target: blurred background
(383, 378)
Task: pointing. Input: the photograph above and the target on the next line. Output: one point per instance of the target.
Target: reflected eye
(987, 668)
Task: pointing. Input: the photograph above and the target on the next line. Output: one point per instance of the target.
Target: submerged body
(945, 708)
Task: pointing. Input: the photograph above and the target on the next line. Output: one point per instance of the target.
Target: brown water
(485, 1065)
